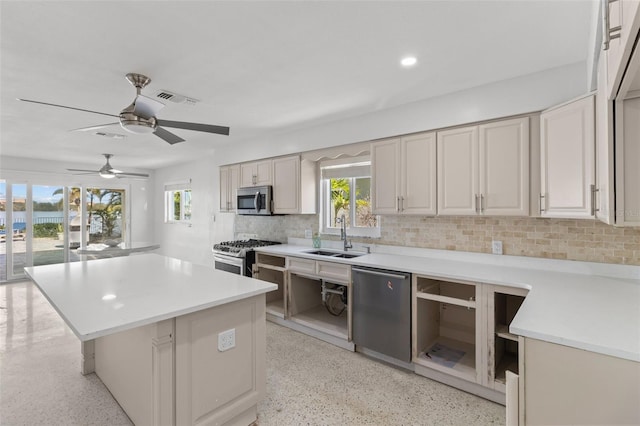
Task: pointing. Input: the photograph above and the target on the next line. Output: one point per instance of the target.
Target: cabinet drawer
(301, 265)
(336, 271)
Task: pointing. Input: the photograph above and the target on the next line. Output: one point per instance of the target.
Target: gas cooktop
(239, 248)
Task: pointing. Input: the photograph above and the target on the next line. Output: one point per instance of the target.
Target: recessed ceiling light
(408, 61)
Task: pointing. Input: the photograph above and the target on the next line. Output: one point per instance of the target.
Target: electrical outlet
(496, 247)
(227, 340)
(308, 233)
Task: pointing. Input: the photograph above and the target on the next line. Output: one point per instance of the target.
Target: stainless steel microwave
(255, 200)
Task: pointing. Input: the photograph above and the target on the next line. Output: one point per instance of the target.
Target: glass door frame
(53, 181)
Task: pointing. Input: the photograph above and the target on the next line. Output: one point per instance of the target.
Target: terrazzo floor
(309, 382)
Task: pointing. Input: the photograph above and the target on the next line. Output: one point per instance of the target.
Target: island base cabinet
(173, 372)
(564, 385)
(214, 386)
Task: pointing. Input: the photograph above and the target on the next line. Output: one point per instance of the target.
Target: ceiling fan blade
(127, 174)
(167, 136)
(209, 128)
(146, 107)
(87, 129)
(83, 170)
(68, 107)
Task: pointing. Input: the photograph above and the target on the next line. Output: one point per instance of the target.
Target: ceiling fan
(109, 172)
(140, 116)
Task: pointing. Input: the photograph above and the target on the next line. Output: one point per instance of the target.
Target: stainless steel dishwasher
(382, 311)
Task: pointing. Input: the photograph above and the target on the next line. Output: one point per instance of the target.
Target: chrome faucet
(343, 233)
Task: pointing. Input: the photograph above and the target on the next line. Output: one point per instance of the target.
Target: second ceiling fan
(140, 116)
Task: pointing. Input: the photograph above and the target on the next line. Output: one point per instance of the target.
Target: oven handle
(235, 261)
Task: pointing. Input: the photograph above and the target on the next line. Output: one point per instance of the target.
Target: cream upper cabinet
(294, 186)
(622, 21)
(484, 169)
(385, 184)
(504, 168)
(567, 163)
(627, 162)
(418, 174)
(229, 181)
(458, 183)
(256, 173)
(404, 175)
(604, 194)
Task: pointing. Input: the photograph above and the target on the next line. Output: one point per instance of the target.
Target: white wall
(192, 242)
(530, 93)
(140, 215)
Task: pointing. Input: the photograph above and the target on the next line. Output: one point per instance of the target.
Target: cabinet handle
(594, 191)
(540, 204)
(608, 33)
(398, 204)
(401, 204)
(477, 207)
(481, 203)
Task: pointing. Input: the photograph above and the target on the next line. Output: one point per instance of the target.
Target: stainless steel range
(237, 256)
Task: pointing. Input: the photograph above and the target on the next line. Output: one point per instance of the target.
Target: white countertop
(104, 296)
(584, 305)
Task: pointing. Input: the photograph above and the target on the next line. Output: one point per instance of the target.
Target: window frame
(325, 210)
(169, 206)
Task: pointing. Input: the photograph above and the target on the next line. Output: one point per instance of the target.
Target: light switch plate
(308, 233)
(227, 340)
(496, 247)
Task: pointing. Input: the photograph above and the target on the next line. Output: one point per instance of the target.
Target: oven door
(235, 265)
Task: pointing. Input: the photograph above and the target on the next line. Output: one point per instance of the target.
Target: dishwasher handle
(380, 273)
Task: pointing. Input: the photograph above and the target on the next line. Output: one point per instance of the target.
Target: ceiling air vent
(176, 98)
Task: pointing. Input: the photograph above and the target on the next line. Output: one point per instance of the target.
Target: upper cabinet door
(256, 173)
(604, 149)
(418, 174)
(385, 177)
(286, 185)
(504, 168)
(624, 24)
(458, 189)
(229, 180)
(567, 162)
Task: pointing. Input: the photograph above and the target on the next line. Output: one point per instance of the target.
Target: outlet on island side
(496, 247)
(227, 340)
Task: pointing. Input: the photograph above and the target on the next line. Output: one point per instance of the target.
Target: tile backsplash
(571, 239)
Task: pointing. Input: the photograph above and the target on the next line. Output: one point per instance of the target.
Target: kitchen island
(174, 342)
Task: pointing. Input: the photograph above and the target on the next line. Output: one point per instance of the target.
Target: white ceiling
(257, 67)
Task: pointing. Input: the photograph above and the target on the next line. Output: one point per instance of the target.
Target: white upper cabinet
(403, 175)
(484, 169)
(294, 186)
(256, 173)
(622, 23)
(567, 164)
(229, 181)
(628, 159)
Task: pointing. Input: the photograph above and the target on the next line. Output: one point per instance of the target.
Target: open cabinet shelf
(506, 302)
(445, 327)
(275, 274)
(307, 308)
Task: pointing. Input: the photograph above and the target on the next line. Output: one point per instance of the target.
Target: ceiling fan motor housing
(134, 123)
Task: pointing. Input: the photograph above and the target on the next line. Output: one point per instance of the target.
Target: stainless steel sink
(334, 254)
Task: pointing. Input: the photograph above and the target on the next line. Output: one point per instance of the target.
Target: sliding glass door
(43, 224)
